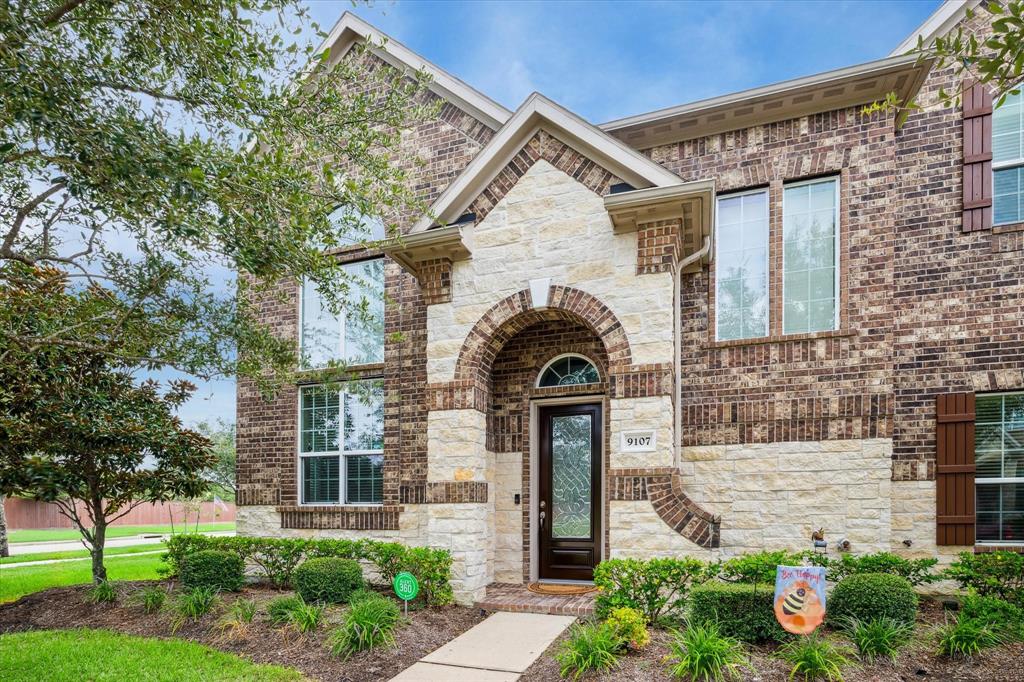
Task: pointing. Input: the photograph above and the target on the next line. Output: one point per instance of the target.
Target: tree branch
(22, 214)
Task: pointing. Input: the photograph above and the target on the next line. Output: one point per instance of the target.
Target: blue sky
(605, 60)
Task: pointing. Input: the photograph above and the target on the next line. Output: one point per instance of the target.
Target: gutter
(704, 250)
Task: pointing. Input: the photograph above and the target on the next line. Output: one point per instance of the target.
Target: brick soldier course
(557, 237)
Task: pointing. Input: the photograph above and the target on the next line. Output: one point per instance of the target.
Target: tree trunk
(99, 571)
(4, 549)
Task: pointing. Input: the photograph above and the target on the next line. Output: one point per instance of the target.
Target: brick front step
(516, 598)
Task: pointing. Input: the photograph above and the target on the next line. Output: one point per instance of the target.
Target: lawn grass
(81, 553)
(102, 655)
(17, 582)
(59, 534)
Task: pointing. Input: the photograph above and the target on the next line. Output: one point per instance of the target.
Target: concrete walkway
(71, 545)
(499, 649)
(23, 564)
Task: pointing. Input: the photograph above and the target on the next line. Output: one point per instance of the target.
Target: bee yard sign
(800, 598)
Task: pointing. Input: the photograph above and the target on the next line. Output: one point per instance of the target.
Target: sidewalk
(499, 649)
(71, 545)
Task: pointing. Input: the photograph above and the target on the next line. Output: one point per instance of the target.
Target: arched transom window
(568, 370)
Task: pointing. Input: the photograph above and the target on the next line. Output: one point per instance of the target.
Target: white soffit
(942, 21)
(849, 86)
(351, 29)
(540, 113)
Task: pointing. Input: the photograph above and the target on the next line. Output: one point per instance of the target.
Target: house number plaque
(639, 441)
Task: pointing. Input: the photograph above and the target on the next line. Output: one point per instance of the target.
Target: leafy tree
(221, 474)
(79, 431)
(995, 59)
(145, 145)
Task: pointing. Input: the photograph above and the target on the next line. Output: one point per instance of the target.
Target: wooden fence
(23, 514)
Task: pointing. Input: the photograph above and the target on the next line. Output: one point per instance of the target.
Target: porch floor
(513, 597)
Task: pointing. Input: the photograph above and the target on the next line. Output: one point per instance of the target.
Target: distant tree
(221, 474)
(4, 547)
(79, 431)
(146, 144)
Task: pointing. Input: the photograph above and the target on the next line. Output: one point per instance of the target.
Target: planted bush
(916, 571)
(868, 596)
(703, 653)
(369, 624)
(630, 625)
(878, 637)
(151, 598)
(102, 593)
(814, 658)
(758, 567)
(589, 647)
(218, 570)
(744, 612)
(280, 610)
(654, 587)
(967, 637)
(306, 617)
(192, 605)
(238, 619)
(433, 569)
(327, 580)
(1005, 616)
(991, 574)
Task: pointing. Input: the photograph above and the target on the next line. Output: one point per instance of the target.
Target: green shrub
(433, 569)
(151, 598)
(102, 593)
(630, 625)
(327, 579)
(758, 567)
(814, 658)
(868, 596)
(744, 612)
(280, 610)
(656, 588)
(991, 574)
(192, 605)
(703, 654)
(216, 569)
(591, 646)
(916, 571)
(967, 637)
(1007, 617)
(878, 637)
(368, 624)
(277, 559)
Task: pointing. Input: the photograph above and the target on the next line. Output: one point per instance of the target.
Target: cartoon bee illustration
(798, 608)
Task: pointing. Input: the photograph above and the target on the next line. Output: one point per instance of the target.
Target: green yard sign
(406, 586)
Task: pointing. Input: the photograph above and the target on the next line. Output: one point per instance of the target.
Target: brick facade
(924, 309)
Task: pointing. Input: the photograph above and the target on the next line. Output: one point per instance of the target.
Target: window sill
(782, 338)
(1008, 227)
(355, 252)
(315, 376)
(984, 548)
(312, 508)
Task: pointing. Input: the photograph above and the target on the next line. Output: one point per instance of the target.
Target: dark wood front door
(569, 506)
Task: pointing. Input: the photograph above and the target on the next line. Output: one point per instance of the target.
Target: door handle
(542, 516)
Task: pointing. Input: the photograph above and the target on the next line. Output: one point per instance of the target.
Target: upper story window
(1008, 162)
(741, 266)
(341, 443)
(810, 244)
(999, 467)
(355, 228)
(354, 336)
(568, 370)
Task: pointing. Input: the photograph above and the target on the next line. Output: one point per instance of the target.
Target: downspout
(678, 324)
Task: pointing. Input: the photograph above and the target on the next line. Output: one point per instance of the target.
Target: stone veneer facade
(780, 435)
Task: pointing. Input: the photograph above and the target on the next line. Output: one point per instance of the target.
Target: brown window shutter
(954, 469)
(977, 110)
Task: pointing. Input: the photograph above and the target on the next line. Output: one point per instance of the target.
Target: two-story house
(705, 330)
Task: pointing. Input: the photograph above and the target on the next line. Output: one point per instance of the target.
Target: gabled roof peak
(350, 29)
(537, 113)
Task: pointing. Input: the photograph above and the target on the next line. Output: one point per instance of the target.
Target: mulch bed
(917, 662)
(424, 631)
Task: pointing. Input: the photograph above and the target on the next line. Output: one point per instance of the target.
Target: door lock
(542, 516)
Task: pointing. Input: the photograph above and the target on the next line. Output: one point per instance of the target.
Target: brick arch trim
(663, 487)
(512, 314)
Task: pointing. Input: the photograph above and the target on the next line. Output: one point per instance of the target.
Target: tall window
(1008, 162)
(999, 467)
(810, 265)
(741, 266)
(354, 336)
(341, 443)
